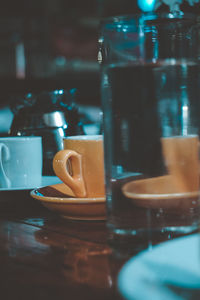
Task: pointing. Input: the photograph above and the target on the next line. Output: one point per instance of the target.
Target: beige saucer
(160, 192)
(61, 199)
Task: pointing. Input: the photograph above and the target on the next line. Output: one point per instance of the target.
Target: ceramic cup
(20, 162)
(181, 155)
(81, 165)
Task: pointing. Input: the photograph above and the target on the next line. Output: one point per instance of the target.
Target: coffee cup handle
(74, 181)
(4, 152)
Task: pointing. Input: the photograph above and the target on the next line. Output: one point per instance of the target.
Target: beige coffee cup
(181, 155)
(81, 165)
(178, 190)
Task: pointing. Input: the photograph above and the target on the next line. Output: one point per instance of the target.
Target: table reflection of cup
(20, 162)
(81, 165)
(82, 255)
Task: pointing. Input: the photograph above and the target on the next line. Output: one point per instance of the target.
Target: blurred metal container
(52, 115)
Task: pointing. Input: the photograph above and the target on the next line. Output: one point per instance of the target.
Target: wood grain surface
(43, 256)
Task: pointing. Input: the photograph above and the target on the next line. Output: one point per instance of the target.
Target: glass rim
(141, 19)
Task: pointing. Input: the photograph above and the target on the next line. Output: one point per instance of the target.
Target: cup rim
(93, 137)
(21, 138)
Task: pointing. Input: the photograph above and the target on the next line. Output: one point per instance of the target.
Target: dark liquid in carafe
(135, 130)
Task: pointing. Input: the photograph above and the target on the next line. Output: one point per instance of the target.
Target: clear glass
(151, 109)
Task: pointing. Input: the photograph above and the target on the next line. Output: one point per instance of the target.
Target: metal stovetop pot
(52, 115)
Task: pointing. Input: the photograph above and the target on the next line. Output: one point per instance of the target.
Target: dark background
(60, 40)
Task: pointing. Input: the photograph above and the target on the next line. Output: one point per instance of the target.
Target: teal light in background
(146, 5)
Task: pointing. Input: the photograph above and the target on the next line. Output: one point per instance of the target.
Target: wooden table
(43, 256)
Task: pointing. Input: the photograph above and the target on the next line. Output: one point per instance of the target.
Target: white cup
(20, 162)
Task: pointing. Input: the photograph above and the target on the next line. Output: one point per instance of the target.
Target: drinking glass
(151, 109)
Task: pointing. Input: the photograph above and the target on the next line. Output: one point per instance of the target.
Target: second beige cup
(181, 155)
(81, 165)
